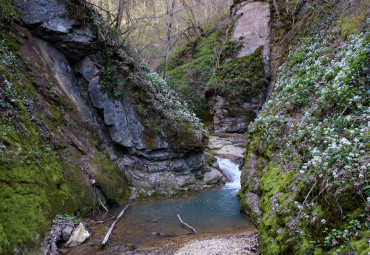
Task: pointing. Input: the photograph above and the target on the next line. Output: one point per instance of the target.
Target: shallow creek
(211, 212)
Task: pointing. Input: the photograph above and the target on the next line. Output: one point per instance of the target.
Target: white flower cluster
(312, 95)
(169, 102)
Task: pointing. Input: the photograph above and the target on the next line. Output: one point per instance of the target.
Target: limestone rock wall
(249, 35)
(252, 29)
(158, 161)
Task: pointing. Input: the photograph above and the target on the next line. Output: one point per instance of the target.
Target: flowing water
(211, 212)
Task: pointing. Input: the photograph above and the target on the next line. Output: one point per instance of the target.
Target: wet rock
(253, 209)
(231, 146)
(154, 162)
(233, 116)
(213, 177)
(79, 235)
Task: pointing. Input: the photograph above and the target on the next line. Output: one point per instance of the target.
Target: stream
(211, 212)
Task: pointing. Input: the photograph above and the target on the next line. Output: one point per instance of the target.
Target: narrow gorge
(258, 136)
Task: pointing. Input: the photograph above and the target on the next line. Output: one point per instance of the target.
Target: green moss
(4, 243)
(110, 178)
(32, 187)
(210, 159)
(360, 243)
(240, 78)
(354, 23)
(192, 63)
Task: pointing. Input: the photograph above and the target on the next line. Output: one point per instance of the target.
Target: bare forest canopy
(154, 27)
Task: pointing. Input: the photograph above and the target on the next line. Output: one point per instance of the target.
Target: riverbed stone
(213, 177)
(79, 235)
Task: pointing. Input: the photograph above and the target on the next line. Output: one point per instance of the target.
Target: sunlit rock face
(250, 43)
(252, 29)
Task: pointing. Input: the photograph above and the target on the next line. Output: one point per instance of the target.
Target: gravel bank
(222, 245)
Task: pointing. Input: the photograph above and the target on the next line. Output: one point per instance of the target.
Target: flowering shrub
(332, 126)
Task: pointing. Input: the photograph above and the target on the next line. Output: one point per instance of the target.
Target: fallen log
(107, 235)
(186, 225)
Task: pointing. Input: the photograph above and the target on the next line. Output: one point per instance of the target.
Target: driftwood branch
(102, 205)
(103, 221)
(186, 225)
(112, 226)
(99, 200)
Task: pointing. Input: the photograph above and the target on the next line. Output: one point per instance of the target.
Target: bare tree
(120, 14)
(169, 38)
(190, 6)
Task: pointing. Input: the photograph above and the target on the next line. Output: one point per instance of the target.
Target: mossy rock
(109, 178)
(239, 78)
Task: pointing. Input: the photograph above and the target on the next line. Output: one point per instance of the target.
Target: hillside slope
(306, 176)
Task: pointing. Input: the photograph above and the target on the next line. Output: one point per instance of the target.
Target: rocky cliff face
(238, 89)
(77, 104)
(156, 141)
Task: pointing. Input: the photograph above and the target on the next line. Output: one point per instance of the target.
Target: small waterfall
(231, 171)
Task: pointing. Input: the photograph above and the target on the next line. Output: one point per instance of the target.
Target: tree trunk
(169, 38)
(120, 14)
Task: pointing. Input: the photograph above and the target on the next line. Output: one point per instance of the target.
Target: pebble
(230, 245)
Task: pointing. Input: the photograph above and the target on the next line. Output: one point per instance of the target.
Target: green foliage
(191, 65)
(7, 14)
(240, 77)
(108, 79)
(297, 58)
